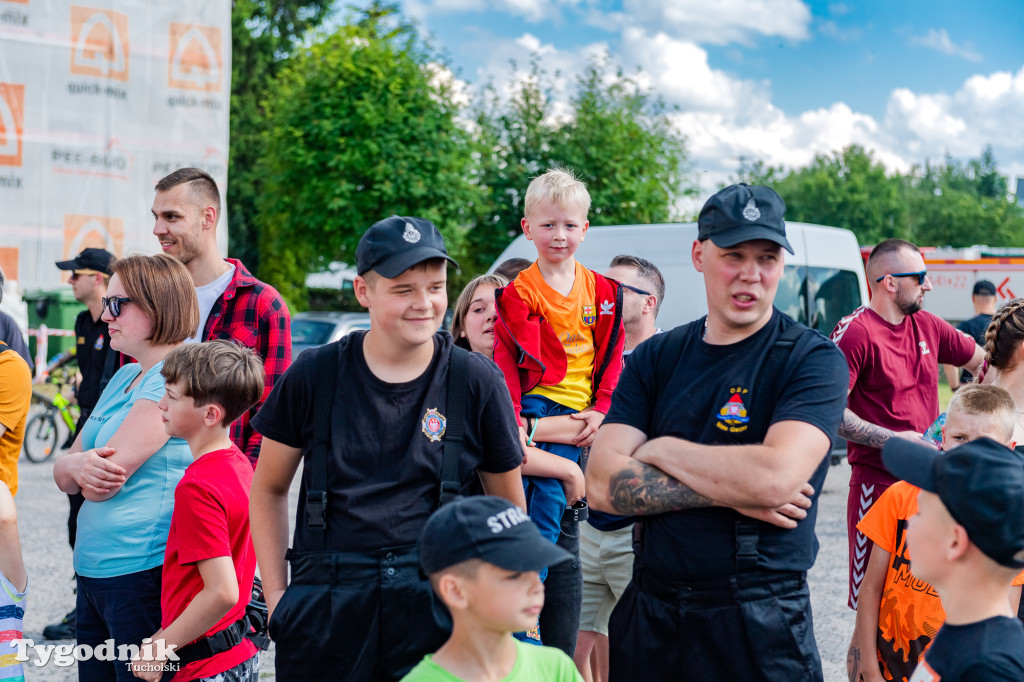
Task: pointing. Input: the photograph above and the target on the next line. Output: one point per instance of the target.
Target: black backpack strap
(455, 427)
(326, 377)
(764, 394)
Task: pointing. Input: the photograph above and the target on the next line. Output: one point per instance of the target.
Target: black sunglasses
(113, 304)
(639, 291)
(920, 275)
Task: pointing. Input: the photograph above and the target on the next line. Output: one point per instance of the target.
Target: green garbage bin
(57, 309)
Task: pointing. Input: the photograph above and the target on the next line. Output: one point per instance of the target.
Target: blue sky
(779, 80)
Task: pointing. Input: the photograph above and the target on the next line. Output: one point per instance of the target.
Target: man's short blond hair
(559, 186)
(983, 399)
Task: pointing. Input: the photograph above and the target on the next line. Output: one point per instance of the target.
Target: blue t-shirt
(128, 532)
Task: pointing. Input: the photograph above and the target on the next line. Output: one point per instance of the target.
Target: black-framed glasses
(639, 291)
(113, 304)
(920, 275)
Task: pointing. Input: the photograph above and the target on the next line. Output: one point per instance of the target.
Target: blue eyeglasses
(920, 275)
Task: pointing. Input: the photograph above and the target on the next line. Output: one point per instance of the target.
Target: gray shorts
(246, 671)
(607, 558)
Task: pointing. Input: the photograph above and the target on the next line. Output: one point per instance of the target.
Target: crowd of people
(552, 489)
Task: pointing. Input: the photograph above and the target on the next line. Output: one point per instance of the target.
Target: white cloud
(723, 21)
(939, 40)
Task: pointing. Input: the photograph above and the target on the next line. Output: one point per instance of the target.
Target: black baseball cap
(741, 213)
(488, 528)
(980, 482)
(983, 287)
(395, 244)
(97, 260)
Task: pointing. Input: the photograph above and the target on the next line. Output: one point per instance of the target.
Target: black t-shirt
(989, 651)
(384, 475)
(10, 334)
(93, 342)
(976, 327)
(701, 393)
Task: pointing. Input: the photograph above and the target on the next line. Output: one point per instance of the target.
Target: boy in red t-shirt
(209, 564)
(899, 615)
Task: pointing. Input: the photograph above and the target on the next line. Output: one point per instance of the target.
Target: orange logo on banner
(20, 2)
(195, 58)
(99, 43)
(12, 118)
(9, 261)
(92, 231)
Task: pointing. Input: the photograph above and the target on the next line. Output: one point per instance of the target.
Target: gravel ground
(43, 514)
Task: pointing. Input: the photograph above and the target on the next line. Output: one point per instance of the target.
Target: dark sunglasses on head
(920, 275)
(639, 291)
(113, 304)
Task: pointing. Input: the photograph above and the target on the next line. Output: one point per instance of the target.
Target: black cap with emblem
(395, 244)
(742, 213)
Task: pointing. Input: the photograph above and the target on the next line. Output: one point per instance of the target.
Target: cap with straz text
(488, 528)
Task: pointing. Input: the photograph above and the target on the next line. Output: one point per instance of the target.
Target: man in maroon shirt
(893, 349)
(233, 304)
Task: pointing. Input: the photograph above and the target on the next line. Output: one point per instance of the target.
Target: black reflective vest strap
(323, 400)
(765, 394)
(455, 427)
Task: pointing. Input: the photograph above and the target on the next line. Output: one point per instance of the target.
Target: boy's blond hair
(985, 400)
(559, 186)
(218, 371)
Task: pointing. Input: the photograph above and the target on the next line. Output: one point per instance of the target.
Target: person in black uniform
(718, 436)
(357, 607)
(90, 272)
(983, 298)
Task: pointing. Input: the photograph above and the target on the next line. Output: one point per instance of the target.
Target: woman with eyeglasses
(125, 465)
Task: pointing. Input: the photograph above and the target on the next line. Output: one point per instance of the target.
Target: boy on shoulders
(209, 565)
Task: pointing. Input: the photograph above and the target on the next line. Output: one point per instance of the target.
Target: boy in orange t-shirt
(558, 339)
(899, 615)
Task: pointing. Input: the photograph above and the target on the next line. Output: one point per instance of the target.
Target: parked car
(314, 329)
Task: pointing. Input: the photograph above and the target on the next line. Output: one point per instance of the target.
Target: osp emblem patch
(589, 317)
(733, 415)
(433, 425)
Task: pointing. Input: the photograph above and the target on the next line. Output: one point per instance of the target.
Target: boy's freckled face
(555, 230)
(963, 427)
(504, 600)
(180, 415)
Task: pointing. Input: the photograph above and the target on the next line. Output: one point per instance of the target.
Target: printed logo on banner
(195, 62)
(91, 231)
(99, 40)
(12, 120)
(9, 261)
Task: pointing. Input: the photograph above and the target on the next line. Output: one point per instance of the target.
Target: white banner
(98, 101)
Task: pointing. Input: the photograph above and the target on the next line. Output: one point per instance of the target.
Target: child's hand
(522, 441)
(96, 473)
(575, 485)
(785, 516)
(593, 418)
(145, 666)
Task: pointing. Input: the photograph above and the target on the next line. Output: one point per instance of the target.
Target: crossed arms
(629, 474)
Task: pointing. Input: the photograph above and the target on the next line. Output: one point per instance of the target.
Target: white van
(824, 278)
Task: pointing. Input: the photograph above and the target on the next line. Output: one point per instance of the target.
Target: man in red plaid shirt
(233, 304)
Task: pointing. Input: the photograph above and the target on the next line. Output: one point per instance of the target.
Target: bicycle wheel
(41, 436)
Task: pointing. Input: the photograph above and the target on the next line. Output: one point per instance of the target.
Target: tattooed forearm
(641, 489)
(859, 431)
(853, 663)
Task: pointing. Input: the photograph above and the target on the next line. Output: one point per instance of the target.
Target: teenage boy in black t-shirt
(967, 540)
(357, 607)
(716, 457)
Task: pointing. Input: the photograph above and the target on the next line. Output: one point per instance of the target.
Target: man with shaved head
(893, 350)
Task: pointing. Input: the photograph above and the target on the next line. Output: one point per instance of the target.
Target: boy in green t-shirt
(483, 556)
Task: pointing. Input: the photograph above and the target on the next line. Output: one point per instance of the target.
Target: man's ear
(958, 543)
(360, 287)
(697, 254)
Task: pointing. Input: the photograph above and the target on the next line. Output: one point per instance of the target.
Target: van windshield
(818, 297)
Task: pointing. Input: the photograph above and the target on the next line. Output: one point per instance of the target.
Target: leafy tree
(263, 33)
(361, 126)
